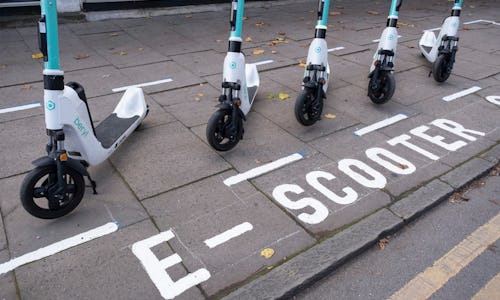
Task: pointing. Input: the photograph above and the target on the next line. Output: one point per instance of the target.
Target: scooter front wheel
(39, 194)
(441, 68)
(381, 89)
(306, 111)
(219, 134)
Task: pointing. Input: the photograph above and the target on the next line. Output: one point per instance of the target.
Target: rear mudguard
(72, 163)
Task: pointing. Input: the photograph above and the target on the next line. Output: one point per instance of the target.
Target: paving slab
(3, 239)
(180, 75)
(467, 172)
(170, 156)
(492, 154)
(106, 268)
(311, 264)
(263, 141)
(18, 66)
(87, 28)
(7, 281)
(18, 95)
(114, 202)
(17, 158)
(197, 62)
(121, 50)
(220, 208)
(421, 200)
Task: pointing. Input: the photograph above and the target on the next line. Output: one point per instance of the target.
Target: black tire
(385, 88)
(304, 112)
(218, 131)
(441, 69)
(36, 191)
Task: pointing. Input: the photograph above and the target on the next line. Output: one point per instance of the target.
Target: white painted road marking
(336, 49)
(263, 169)
(20, 107)
(228, 234)
(378, 40)
(264, 62)
(381, 124)
(58, 247)
(140, 85)
(156, 268)
(481, 21)
(461, 93)
(494, 99)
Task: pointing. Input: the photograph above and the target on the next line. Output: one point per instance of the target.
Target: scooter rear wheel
(305, 113)
(38, 187)
(381, 91)
(441, 68)
(218, 131)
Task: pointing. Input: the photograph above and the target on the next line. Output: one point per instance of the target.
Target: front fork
(449, 47)
(314, 80)
(383, 63)
(230, 100)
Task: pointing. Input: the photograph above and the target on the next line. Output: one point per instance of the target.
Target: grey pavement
(302, 220)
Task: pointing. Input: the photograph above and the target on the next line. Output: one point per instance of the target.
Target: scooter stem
(237, 11)
(323, 9)
(49, 10)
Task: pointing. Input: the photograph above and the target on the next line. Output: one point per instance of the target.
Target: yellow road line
(490, 291)
(433, 278)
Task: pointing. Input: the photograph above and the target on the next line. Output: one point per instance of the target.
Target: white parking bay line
(58, 247)
(264, 62)
(263, 169)
(140, 85)
(381, 124)
(20, 107)
(461, 93)
(228, 234)
(336, 49)
(481, 21)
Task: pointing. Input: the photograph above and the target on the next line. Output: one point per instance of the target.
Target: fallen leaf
(123, 52)
(271, 96)
(258, 51)
(267, 253)
(270, 267)
(141, 49)
(188, 16)
(113, 34)
(274, 52)
(218, 41)
(281, 33)
(81, 56)
(248, 39)
(372, 12)
(202, 84)
(200, 95)
(339, 6)
(196, 99)
(302, 63)
(382, 243)
(260, 23)
(466, 27)
(335, 13)
(283, 96)
(245, 18)
(37, 55)
(330, 116)
(403, 166)
(26, 87)
(472, 6)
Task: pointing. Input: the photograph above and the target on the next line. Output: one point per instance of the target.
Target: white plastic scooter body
(388, 41)
(318, 55)
(429, 44)
(64, 110)
(236, 70)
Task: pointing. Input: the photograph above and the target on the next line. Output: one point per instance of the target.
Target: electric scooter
(382, 83)
(309, 104)
(441, 51)
(56, 186)
(240, 83)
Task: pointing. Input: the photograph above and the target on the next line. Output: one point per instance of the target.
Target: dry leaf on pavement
(283, 96)
(258, 51)
(267, 253)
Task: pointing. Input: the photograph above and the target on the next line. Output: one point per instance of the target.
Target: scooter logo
(233, 65)
(81, 127)
(317, 50)
(390, 37)
(51, 105)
